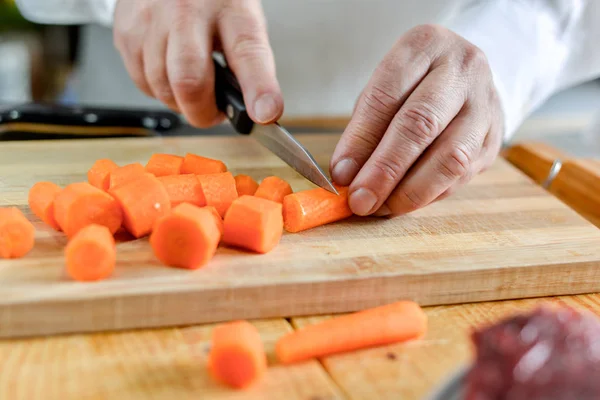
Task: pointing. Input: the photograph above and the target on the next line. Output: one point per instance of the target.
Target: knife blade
(272, 136)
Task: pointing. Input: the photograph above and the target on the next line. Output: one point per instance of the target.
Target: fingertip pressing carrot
(183, 189)
(397, 322)
(273, 188)
(198, 165)
(219, 190)
(81, 204)
(245, 185)
(41, 202)
(91, 254)
(164, 164)
(17, 234)
(187, 237)
(237, 357)
(315, 207)
(99, 175)
(253, 223)
(125, 174)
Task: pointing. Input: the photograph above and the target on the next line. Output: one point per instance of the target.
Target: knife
(272, 136)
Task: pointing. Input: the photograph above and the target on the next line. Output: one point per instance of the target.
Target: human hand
(428, 121)
(167, 51)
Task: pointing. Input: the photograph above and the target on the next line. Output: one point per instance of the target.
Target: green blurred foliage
(11, 19)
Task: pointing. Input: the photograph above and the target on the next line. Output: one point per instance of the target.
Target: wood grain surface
(483, 243)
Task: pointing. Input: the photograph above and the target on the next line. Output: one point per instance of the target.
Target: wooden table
(170, 363)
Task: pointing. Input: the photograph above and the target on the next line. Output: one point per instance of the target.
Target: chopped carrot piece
(218, 218)
(17, 234)
(315, 207)
(183, 189)
(253, 223)
(81, 204)
(245, 184)
(273, 188)
(99, 174)
(164, 164)
(143, 201)
(187, 237)
(91, 254)
(237, 357)
(125, 174)
(391, 323)
(193, 164)
(41, 202)
(219, 190)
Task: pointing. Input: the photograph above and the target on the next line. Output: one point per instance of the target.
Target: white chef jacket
(326, 50)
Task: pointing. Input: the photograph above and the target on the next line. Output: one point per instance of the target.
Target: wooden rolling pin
(574, 181)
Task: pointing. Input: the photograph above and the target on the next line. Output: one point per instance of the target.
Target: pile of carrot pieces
(186, 206)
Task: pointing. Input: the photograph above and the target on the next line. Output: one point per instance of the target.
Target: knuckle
(455, 163)
(188, 85)
(387, 169)
(419, 125)
(423, 36)
(473, 59)
(380, 101)
(248, 45)
(187, 77)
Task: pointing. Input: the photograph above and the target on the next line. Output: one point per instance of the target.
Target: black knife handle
(230, 99)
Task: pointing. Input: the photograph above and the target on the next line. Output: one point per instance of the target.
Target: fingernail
(362, 201)
(383, 211)
(344, 171)
(265, 108)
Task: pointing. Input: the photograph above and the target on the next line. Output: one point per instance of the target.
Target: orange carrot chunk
(391, 323)
(315, 207)
(218, 218)
(41, 202)
(126, 174)
(273, 188)
(81, 204)
(253, 223)
(143, 200)
(237, 357)
(164, 164)
(91, 254)
(245, 184)
(17, 234)
(187, 237)
(219, 190)
(99, 174)
(193, 164)
(183, 189)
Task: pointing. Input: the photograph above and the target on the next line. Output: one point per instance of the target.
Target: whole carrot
(315, 207)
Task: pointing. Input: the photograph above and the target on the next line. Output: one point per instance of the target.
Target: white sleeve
(68, 12)
(535, 48)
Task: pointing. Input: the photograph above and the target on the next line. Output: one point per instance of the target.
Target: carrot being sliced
(218, 218)
(253, 223)
(99, 175)
(187, 237)
(183, 189)
(125, 174)
(91, 254)
(315, 207)
(81, 204)
(198, 165)
(17, 234)
(273, 188)
(245, 184)
(391, 323)
(219, 190)
(41, 202)
(164, 164)
(143, 201)
(237, 357)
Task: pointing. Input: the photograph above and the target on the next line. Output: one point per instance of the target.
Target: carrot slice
(219, 190)
(315, 207)
(198, 165)
(187, 237)
(218, 218)
(164, 164)
(183, 189)
(81, 204)
(391, 323)
(273, 188)
(245, 184)
(253, 223)
(143, 201)
(99, 174)
(17, 234)
(91, 254)
(237, 357)
(126, 174)
(41, 202)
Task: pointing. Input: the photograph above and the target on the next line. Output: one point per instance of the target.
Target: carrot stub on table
(273, 188)
(164, 164)
(41, 202)
(91, 254)
(219, 190)
(194, 164)
(315, 207)
(99, 174)
(183, 189)
(17, 234)
(245, 184)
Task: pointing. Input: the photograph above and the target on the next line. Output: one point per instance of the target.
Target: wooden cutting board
(500, 237)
